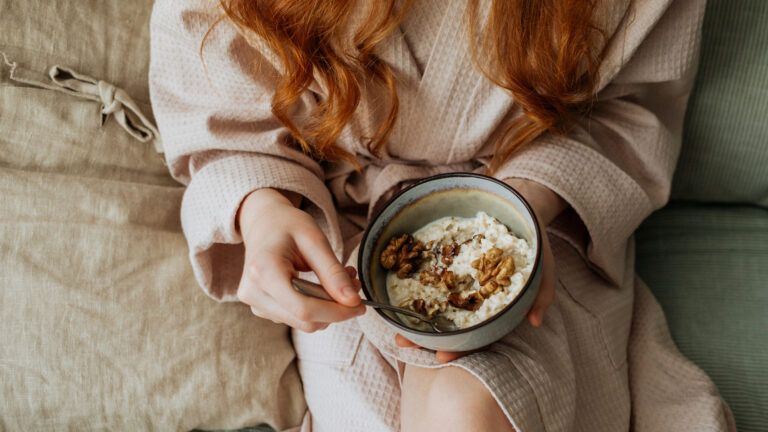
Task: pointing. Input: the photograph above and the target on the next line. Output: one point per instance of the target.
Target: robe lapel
(446, 114)
(397, 54)
(455, 108)
(632, 24)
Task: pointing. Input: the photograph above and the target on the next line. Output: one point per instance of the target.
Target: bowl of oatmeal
(460, 247)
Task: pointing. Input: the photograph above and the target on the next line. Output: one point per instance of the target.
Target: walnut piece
(442, 278)
(430, 277)
(448, 251)
(420, 306)
(489, 289)
(436, 306)
(429, 253)
(493, 271)
(471, 301)
(402, 255)
(453, 282)
(429, 309)
(474, 238)
(504, 270)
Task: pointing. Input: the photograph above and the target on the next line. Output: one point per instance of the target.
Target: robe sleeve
(615, 167)
(212, 106)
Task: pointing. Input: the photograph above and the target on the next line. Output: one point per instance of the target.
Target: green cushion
(725, 151)
(708, 267)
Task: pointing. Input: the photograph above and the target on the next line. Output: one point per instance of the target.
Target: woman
(292, 121)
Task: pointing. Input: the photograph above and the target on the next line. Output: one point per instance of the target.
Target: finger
(546, 294)
(268, 308)
(273, 275)
(402, 342)
(306, 308)
(446, 357)
(351, 271)
(316, 251)
(535, 317)
(536, 314)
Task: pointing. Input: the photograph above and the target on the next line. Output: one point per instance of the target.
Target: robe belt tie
(115, 102)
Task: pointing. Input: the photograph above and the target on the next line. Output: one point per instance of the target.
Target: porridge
(465, 269)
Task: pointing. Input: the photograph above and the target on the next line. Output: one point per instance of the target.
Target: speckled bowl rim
(429, 179)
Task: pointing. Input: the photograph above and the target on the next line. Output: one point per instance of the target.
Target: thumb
(317, 253)
(547, 285)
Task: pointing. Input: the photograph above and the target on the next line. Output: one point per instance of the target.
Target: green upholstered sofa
(705, 255)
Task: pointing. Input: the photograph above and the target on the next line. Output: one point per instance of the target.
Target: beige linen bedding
(102, 326)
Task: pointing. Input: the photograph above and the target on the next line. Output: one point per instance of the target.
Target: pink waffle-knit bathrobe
(603, 359)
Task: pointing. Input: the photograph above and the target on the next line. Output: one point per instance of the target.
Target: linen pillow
(725, 150)
(102, 325)
(707, 265)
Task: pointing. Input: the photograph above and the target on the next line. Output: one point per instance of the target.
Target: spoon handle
(311, 289)
(315, 290)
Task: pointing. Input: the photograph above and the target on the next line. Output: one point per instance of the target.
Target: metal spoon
(437, 323)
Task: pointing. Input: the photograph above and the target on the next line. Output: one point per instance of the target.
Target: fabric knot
(109, 105)
(115, 102)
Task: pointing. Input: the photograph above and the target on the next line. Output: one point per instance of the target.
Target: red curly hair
(541, 51)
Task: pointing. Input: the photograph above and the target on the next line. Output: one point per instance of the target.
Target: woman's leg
(448, 399)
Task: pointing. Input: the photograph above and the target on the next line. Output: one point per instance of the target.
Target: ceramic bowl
(456, 194)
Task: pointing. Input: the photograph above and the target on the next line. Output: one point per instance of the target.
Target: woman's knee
(448, 399)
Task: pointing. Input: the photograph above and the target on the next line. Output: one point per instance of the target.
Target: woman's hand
(547, 205)
(281, 240)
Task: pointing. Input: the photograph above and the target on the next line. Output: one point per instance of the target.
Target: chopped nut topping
(402, 255)
(489, 259)
(436, 306)
(449, 279)
(453, 282)
(470, 302)
(430, 251)
(476, 237)
(504, 270)
(430, 277)
(449, 251)
(428, 271)
(430, 309)
(420, 306)
(442, 278)
(492, 267)
(489, 289)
